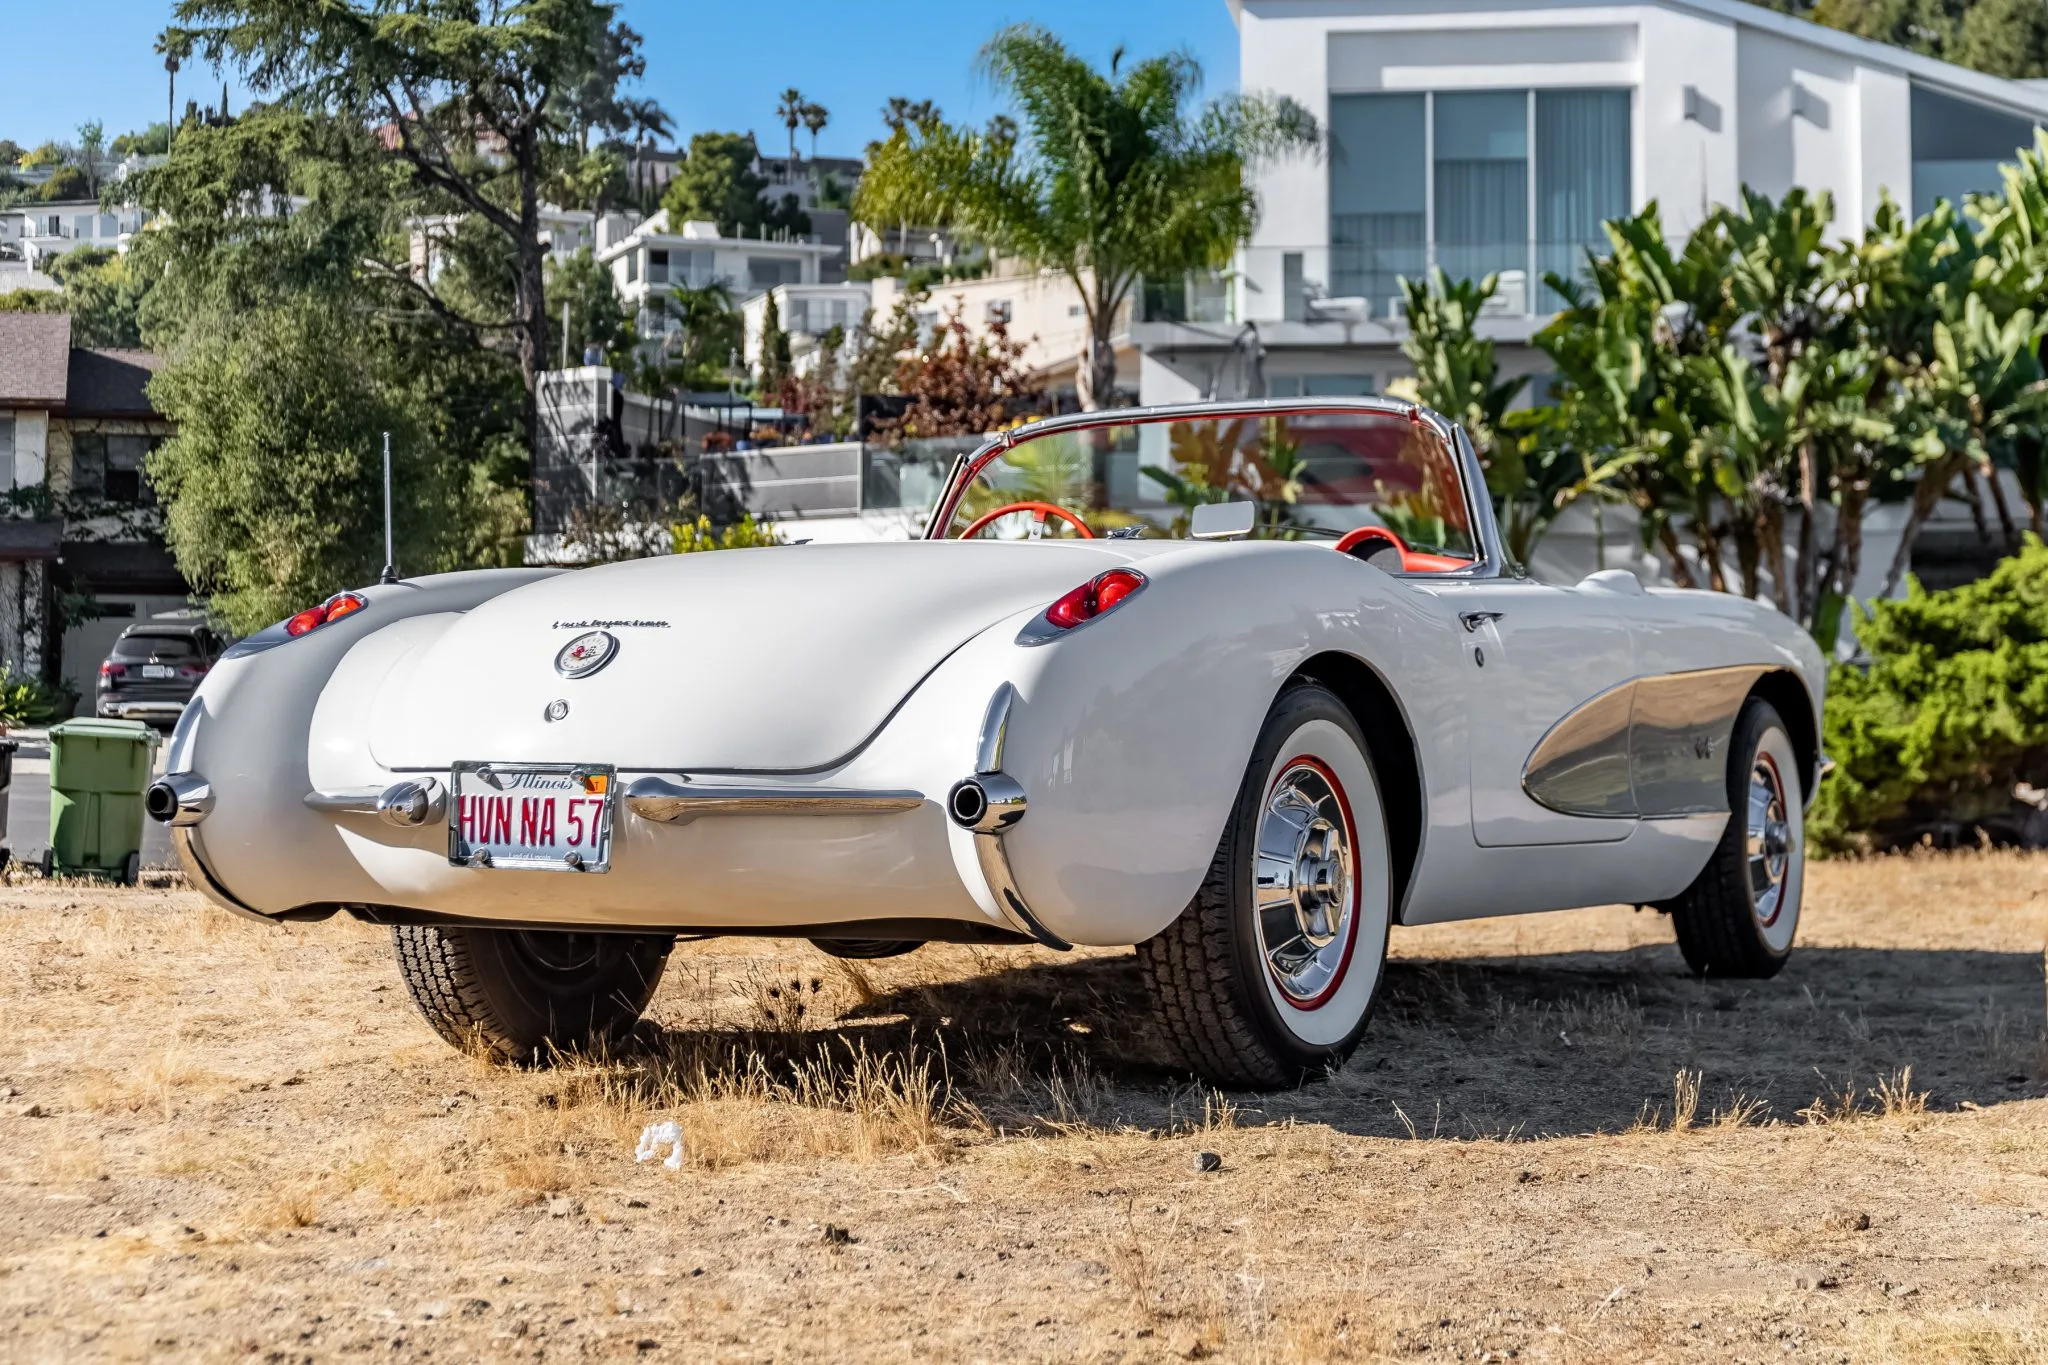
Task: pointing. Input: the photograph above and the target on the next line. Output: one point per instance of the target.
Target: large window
(1514, 182)
(1481, 166)
(1957, 148)
(1379, 194)
(110, 467)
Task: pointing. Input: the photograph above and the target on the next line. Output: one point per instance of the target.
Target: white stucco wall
(1774, 103)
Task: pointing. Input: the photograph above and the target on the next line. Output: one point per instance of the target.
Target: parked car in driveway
(154, 669)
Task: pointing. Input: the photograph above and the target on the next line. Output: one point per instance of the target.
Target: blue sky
(714, 64)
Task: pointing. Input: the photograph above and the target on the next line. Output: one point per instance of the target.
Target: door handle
(1473, 620)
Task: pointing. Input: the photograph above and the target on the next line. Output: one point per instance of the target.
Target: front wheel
(1268, 977)
(1738, 917)
(522, 995)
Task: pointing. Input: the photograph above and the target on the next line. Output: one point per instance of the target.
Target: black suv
(154, 670)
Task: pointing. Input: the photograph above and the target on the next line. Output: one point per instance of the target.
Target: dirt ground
(224, 1142)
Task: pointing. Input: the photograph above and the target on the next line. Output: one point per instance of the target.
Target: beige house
(80, 553)
(1041, 308)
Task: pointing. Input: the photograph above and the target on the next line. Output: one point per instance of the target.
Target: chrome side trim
(994, 860)
(995, 725)
(354, 801)
(678, 802)
(986, 805)
(1651, 747)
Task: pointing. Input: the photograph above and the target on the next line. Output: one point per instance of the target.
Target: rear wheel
(1738, 917)
(524, 994)
(1270, 974)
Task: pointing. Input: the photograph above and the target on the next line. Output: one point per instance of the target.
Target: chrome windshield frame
(1491, 563)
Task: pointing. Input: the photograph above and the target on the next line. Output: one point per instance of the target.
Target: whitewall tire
(1269, 976)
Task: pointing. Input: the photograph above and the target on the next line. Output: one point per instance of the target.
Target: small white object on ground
(654, 1137)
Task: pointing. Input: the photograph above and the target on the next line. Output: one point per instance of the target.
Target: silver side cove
(987, 805)
(1651, 747)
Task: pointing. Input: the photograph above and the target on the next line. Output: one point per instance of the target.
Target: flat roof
(1928, 70)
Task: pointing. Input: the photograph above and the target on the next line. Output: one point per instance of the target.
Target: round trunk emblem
(587, 653)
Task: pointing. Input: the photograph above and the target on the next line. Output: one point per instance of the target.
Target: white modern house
(1485, 136)
(36, 234)
(653, 256)
(808, 313)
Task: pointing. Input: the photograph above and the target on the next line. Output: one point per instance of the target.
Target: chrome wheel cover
(1769, 843)
(1305, 883)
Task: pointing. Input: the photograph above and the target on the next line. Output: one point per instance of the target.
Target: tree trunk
(1847, 556)
(1809, 562)
(1681, 572)
(1742, 530)
(529, 290)
(1095, 377)
(1710, 554)
(1770, 537)
(1927, 494)
(1976, 501)
(2001, 505)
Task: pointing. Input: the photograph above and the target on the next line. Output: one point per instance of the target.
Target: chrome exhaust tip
(986, 803)
(414, 802)
(180, 800)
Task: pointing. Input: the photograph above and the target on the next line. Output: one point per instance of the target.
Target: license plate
(159, 671)
(554, 817)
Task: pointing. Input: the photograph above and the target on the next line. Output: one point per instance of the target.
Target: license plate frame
(477, 779)
(154, 672)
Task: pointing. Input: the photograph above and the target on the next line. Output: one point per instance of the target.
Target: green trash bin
(98, 770)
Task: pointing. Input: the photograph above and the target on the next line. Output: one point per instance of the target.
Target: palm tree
(791, 111)
(816, 116)
(650, 123)
(1112, 176)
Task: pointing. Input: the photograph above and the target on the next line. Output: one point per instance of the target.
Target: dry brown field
(222, 1142)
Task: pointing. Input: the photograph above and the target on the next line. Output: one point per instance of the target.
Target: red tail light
(110, 669)
(333, 609)
(1094, 597)
(191, 670)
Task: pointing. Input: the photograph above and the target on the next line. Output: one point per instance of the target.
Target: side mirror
(1223, 520)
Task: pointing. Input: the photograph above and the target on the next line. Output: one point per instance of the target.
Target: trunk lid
(785, 658)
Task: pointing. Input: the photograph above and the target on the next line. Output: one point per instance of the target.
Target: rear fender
(247, 732)
(1130, 735)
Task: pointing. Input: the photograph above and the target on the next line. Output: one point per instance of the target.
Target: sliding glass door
(1582, 176)
(1513, 182)
(1379, 195)
(1482, 184)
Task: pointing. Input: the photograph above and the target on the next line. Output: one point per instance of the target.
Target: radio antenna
(390, 574)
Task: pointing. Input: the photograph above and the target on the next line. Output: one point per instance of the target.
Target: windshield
(1310, 475)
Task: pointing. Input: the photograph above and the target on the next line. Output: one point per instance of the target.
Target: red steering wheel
(1351, 540)
(1412, 561)
(1039, 512)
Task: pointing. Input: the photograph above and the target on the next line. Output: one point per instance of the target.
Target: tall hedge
(1947, 717)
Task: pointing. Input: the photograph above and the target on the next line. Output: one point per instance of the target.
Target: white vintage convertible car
(1242, 685)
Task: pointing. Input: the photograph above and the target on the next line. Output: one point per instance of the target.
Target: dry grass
(1554, 1144)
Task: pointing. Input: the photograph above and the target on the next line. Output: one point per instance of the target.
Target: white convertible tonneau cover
(784, 658)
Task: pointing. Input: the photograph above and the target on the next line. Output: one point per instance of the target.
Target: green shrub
(28, 700)
(1950, 714)
(692, 536)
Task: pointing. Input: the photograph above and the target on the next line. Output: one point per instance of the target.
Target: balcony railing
(1356, 283)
